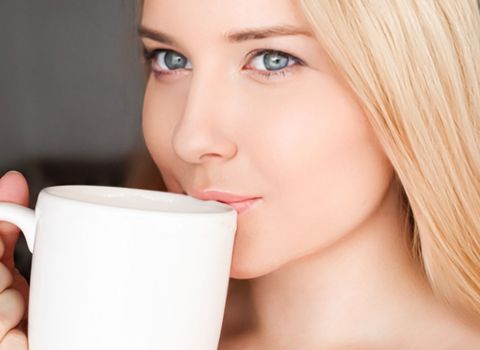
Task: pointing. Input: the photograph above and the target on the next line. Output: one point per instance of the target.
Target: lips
(243, 206)
(239, 203)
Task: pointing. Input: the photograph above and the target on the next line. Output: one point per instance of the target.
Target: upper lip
(221, 196)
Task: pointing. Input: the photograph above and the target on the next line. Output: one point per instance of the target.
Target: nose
(203, 133)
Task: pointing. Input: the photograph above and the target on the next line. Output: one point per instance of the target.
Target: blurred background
(71, 90)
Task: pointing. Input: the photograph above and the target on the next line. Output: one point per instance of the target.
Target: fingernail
(11, 172)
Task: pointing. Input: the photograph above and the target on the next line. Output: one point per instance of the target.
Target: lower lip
(243, 206)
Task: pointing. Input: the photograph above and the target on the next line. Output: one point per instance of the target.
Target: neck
(356, 290)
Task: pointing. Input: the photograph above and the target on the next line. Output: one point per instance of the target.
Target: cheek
(327, 172)
(325, 151)
(161, 110)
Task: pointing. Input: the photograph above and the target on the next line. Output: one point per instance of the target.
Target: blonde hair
(415, 67)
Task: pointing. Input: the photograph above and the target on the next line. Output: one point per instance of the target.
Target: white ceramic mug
(125, 269)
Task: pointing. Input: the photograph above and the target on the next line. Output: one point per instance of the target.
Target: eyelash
(149, 55)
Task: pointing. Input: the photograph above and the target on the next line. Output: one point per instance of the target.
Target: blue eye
(265, 62)
(168, 60)
(272, 60)
(270, 63)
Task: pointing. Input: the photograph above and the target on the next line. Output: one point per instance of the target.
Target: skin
(323, 256)
(13, 287)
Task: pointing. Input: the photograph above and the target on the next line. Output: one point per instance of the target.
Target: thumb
(13, 189)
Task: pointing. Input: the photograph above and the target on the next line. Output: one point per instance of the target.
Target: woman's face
(259, 116)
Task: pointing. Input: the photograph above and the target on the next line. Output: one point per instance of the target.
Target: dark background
(71, 90)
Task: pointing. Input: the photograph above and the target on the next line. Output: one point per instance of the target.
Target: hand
(13, 287)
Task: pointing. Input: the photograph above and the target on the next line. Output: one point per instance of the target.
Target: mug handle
(22, 217)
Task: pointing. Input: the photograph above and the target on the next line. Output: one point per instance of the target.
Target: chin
(248, 267)
(243, 274)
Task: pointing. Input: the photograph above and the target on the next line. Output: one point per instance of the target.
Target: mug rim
(197, 206)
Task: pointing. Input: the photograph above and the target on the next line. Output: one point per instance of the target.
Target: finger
(20, 283)
(6, 277)
(14, 340)
(12, 308)
(13, 189)
(23, 326)
(2, 245)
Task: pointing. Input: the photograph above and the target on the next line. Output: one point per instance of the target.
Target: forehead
(213, 18)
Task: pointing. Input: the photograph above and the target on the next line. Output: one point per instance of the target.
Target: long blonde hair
(415, 67)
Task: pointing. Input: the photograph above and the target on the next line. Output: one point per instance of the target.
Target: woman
(347, 133)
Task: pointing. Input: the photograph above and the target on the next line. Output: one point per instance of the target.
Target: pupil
(275, 61)
(174, 61)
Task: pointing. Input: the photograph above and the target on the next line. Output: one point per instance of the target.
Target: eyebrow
(232, 37)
